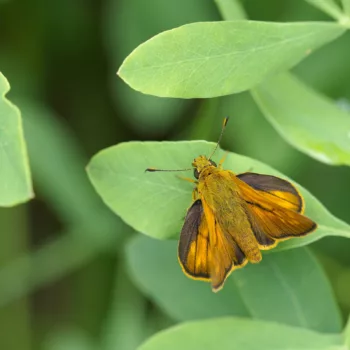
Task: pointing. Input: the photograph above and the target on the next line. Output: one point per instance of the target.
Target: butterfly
(235, 216)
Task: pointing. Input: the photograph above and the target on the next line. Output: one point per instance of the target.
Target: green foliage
(139, 198)
(329, 139)
(346, 7)
(154, 267)
(231, 9)
(328, 6)
(95, 289)
(143, 111)
(280, 288)
(62, 182)
(347, 334)
(15, 180)
(224, 333)
(220, 58)
(69, 339)
(126, 320)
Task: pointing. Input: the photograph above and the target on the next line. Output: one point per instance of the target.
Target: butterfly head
(200, 163)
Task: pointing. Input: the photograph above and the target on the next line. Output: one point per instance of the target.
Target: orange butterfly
(233, 217)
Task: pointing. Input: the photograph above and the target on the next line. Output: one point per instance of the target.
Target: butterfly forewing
(277, 190)
(193, 251)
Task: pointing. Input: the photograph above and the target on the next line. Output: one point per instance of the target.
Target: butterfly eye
(196, 173)
(212, 163)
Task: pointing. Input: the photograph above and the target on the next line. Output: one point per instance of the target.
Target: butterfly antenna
(220, 137)
(152, 170)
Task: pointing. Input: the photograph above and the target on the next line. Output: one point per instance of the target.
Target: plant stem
(14, 318)
(231, 9)
(126, 321)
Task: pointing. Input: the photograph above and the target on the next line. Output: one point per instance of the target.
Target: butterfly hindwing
(270, 219)
(278, 224)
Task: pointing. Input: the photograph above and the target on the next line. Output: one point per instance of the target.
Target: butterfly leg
(195, 194)
(188, 179)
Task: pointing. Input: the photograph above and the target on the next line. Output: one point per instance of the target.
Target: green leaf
(328, 6)
(154, 267)
(15, 180)
(314, 125)
(234, 333)
(293, 289)
(219, 58)
(287, 283)
(141, 199)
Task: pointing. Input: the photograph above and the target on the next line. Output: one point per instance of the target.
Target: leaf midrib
(214, 57)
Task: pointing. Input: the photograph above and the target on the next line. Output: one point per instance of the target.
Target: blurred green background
(63, 277)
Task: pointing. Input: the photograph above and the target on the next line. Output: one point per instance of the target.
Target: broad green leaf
(155, 203)
(211, 59)
(15, 179)
(293, 289)
(154, 267)
(314, 125)
(328, 6)
(326, 71)
(235, 333)
(281, 288)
